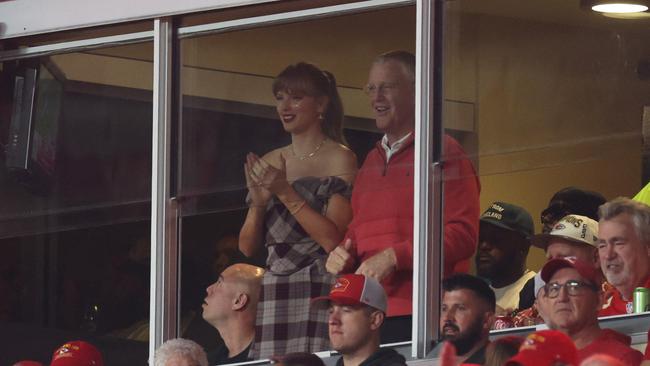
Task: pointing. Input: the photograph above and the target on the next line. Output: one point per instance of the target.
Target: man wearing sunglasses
(570, 301)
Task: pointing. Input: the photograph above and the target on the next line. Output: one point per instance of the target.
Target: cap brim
(588, 272)
(67, 361)
(501, 225)
(320, 301)
(528, 359)
(495, 223)
(541, 240)
(325, 301)
(553, 266)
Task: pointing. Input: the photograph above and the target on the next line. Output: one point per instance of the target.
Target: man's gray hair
(405, 58)
(180, 347)
(639, 212)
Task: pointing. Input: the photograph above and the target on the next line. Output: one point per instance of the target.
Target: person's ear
(488, 320)
(596, 258)
(322, 102)
(525, 248)
(240, 301)
(601, 298)
(376, 319)
(540, 304)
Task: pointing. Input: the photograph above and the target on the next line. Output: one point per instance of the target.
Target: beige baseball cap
(574, 228)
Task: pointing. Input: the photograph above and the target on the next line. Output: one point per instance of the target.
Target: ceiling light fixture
(616, 6)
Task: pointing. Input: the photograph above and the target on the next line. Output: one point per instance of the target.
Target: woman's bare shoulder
(341, 154)
(342, 162)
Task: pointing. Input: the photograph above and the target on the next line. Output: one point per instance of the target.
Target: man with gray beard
(624, 251)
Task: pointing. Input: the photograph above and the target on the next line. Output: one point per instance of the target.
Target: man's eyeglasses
(383, 88)
(573, 288)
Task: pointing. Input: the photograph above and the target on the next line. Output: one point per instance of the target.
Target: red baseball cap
(587, 271)
(356, 289)
(77, 353)
(544, 348)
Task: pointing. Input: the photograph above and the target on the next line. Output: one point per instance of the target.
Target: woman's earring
(320, 116)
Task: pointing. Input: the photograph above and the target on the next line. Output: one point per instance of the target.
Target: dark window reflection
(75, 178)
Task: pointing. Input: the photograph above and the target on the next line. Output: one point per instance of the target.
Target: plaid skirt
(286, 322)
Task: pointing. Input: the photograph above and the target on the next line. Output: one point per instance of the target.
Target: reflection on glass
(75, 183)
(552, 106)
(232, 117)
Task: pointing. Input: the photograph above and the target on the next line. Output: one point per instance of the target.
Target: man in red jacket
(379, 240)
(570, 301)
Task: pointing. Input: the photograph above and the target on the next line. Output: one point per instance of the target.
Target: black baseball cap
(510, 217)
(573, 200)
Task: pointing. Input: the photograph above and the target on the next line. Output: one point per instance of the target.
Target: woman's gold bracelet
(295, 207)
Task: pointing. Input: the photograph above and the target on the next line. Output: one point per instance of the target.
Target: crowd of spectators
(593, 269)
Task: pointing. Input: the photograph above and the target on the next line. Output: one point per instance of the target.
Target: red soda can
(503, 322)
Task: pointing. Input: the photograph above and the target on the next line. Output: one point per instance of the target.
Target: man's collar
(401, 140)
(477, 354)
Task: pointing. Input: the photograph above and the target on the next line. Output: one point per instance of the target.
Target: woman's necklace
(311, 154)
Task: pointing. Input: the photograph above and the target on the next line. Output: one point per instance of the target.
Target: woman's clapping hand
(263, 179)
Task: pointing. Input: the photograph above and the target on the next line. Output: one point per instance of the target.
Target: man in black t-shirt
(231, 306)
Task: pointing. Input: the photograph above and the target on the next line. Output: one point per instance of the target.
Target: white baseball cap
(574, 228)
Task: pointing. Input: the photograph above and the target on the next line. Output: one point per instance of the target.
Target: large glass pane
(75, 182)
(545, 95)
(229, 110)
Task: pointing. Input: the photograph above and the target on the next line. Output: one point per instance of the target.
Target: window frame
(165, 229)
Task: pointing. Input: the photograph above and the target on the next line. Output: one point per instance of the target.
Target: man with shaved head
(231, 307)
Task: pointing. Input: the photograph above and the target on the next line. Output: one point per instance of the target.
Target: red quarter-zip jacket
(382, 206)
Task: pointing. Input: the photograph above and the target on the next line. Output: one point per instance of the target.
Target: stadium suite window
(75, 184)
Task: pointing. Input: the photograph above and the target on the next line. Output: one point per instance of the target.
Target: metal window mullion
(80, 45)
(164, 244)
(427, 227)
